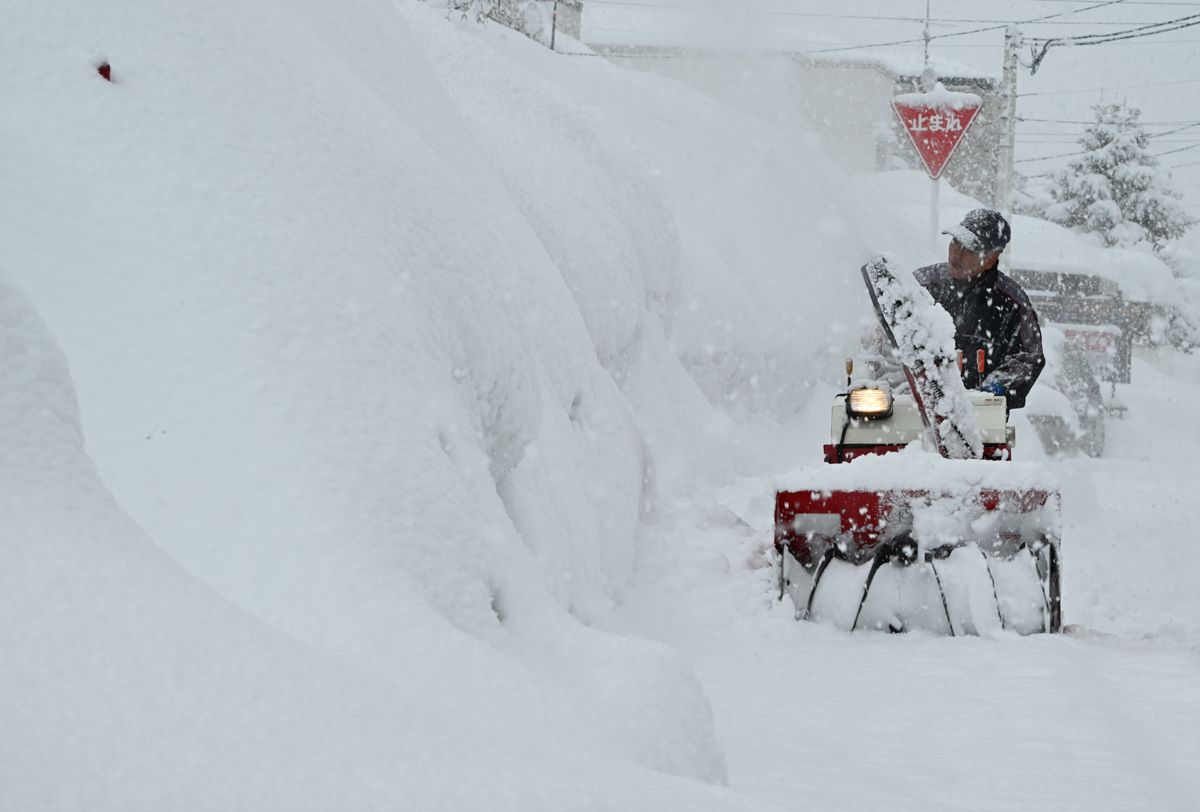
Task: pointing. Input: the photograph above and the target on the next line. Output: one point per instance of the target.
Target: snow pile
(391, 330)
(915, 467)
(130, 685)
(938, 99)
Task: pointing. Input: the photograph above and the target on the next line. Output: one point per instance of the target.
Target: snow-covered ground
(376, 392)
(1101, 718)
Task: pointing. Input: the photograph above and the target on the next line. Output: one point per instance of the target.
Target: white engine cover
(905, 424)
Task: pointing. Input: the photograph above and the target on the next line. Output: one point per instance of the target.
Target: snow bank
(128, 684)
(391, 329)
(309, 388)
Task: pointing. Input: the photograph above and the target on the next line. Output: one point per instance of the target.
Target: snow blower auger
(893, 535)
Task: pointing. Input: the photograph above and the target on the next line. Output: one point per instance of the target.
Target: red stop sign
(935, 123)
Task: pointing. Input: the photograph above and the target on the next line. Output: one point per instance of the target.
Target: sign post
(935, 123)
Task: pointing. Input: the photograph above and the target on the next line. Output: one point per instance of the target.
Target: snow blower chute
(891, 535)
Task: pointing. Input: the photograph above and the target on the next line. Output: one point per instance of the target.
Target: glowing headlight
(869, 402)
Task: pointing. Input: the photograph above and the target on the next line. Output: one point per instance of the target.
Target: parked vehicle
(1090, 329)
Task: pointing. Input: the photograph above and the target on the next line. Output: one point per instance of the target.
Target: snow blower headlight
(869, 402)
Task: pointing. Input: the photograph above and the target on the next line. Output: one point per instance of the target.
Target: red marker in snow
(105, 70)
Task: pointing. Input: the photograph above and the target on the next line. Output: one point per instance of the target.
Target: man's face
(966, 264)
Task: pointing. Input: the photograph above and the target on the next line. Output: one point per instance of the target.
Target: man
(990, 311)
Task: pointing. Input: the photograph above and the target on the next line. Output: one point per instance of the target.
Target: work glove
(995, 387)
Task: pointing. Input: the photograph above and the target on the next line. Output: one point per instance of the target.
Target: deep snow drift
(129, 684)
(391, 330)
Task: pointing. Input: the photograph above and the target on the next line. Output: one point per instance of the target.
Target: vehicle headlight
(869, 402)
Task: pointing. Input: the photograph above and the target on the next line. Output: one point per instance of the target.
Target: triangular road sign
(935, 123)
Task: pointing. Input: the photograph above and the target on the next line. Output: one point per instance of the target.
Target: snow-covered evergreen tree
(1116, 189)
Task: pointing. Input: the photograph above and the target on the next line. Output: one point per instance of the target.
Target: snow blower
(919, 519)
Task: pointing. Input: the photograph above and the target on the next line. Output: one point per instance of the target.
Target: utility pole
(1003, 196)
(553, 24)
(927, 84)
(928, 76)
(925, 34)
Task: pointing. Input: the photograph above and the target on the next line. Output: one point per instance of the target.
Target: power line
(1132, 33)
(1050, 157)
(1128, 2)
(1032, 137)
(1187, 125)
(963, 33)
(1093, 121)
(1177, 130)
(1114, 87)
(992, 46)
(1065, 140)
(1085, 152)
(1163, 27)
(1178, 149)
(875, 17)
(1142, 30)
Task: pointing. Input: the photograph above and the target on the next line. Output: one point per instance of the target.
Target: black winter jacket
(993, 313)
